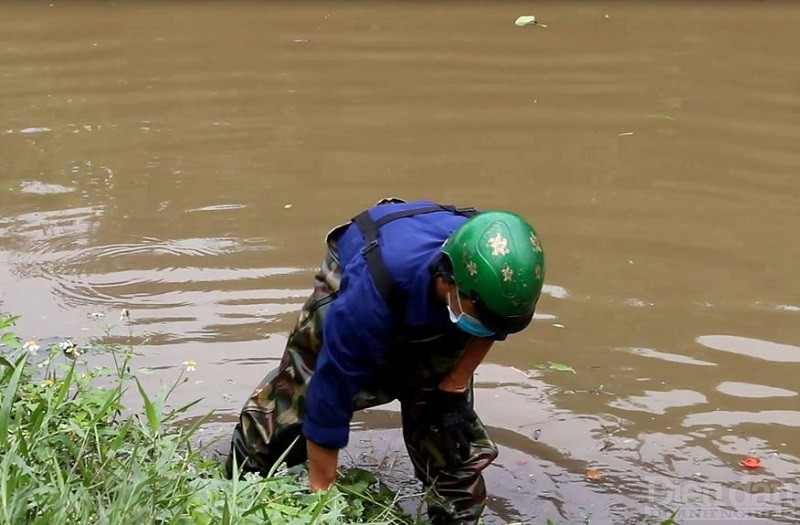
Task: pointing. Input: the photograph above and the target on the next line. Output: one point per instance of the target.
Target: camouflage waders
(272, 417)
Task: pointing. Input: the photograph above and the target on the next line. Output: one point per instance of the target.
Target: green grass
(70, 452)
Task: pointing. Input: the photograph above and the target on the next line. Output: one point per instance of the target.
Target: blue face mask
(466, 322)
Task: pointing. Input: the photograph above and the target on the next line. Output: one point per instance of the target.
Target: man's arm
(357, 332)
(322, 462)
(457, 380)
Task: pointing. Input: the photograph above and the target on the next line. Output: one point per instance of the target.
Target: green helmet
(498, 262)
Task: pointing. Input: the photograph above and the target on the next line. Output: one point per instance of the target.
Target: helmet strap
(441, 267)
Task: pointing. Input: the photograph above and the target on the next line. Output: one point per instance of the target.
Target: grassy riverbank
(72, 453)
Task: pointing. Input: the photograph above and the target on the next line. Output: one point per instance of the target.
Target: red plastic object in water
(750, 462)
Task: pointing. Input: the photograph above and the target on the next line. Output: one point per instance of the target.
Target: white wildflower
(70, 348)
(190, 365)
(32, 347)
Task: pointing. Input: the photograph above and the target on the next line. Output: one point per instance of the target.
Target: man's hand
(449, 414)
(322, 463)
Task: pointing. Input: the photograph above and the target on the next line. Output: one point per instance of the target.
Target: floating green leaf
(525, 20)
(661, 115)
(560, 367)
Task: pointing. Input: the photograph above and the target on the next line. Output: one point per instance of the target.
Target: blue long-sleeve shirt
(359, 326)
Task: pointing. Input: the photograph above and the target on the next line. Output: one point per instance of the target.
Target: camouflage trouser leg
(272, 417)
(456, 494)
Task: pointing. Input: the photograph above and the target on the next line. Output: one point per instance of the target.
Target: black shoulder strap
(372, 253)
(372, 249)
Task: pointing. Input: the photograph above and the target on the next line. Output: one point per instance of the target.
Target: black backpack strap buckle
(371, 245)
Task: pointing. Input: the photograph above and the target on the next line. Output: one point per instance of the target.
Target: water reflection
(41, 188)
(666, 356)
(735, 388)
(655, 402)
(760, 349)
(730, 418)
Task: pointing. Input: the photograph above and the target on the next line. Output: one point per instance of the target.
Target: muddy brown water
(183, 160)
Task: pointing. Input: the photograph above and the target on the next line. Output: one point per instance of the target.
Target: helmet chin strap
(449, 302)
